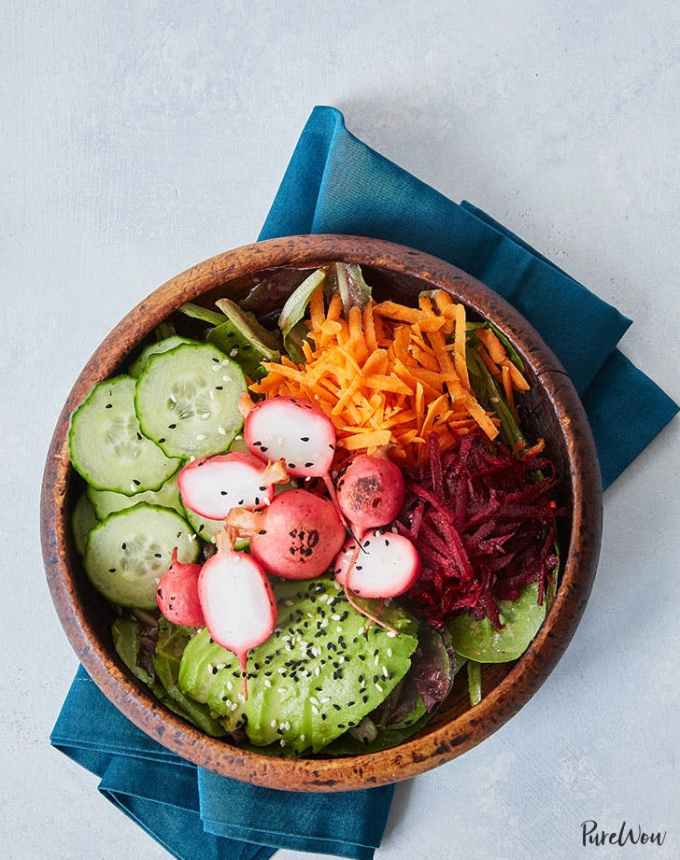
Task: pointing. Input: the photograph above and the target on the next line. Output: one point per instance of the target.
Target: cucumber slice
(205, 529)
(138, 365)
(83, 520)
(128, 552)
(106, 502)
(187, 400)
(107, 447)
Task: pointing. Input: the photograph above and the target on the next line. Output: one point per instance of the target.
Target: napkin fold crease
(335, 183)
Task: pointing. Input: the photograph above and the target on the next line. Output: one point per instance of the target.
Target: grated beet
(486, 527)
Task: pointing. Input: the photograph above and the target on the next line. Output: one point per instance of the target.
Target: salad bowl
(553, 411)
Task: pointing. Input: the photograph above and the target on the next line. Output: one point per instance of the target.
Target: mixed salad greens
(310, 509)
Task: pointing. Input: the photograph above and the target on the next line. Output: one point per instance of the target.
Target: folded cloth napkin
(195, 814)
(336, 184)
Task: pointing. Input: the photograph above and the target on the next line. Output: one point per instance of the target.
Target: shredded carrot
(493, 345)
(507, 387)
(387, 375)
(518, 380)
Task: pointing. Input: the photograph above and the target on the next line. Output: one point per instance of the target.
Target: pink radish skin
(387, 565)
(213, 486)
(294, 431)
(177, 594)
(296, 537)
(238, 603)
(371, 492)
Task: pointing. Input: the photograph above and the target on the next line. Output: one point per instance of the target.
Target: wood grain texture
(555, 411)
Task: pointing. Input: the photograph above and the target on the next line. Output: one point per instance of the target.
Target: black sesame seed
(224, 492)
(136, 482)
(364, 699)
(158, 555)
(109, 405)
(160, 441)
(263, 448)
(291, 466)
(171, 426)
(112, 570)
(323, 716)
(304, 438)
(219, 387)
(123, 546)
(262, 489)
(308, 465)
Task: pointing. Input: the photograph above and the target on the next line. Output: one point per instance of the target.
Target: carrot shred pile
(389, 375)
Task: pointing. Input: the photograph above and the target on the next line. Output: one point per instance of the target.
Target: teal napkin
(195, 814)
(336, 184)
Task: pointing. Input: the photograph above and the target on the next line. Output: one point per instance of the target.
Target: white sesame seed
(315, 710)
(282, 742)
(385, 672)
(335, 617)
(267, 682)
(200, 437)
(391, 633)
(273, 724)
(389, 652)
(221, 431)
(230, 686)
(379, 688)
(241, 697)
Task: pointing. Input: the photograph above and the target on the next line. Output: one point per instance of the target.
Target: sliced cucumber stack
(83, 520)
(106, 502)
(138, 365)
(107, 446)
(187, 400)
(127, 553)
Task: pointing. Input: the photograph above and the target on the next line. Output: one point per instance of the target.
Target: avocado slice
(320, 673)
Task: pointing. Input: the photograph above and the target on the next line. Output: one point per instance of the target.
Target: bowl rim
(420, 753)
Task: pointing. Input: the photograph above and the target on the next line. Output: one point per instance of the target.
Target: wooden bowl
(553, 410)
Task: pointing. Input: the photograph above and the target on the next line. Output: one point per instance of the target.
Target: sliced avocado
(320, 673)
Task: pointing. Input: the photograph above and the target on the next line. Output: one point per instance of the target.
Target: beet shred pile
(485, 523)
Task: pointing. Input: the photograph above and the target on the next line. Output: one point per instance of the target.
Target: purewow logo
(593, 835)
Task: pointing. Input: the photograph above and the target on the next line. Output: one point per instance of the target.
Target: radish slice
(387, 565)
(212, 487)
(292, 430)
(296, 537)
(296, 432)
(237, 602)
(177, 594)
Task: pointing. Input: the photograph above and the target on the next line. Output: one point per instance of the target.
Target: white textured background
(139, 137)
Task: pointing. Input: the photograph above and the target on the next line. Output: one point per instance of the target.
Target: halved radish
(177, 593)
(237, 602)
(371, 492)
(294, 431)
(213, 486)
(387, 565)
(296, 537)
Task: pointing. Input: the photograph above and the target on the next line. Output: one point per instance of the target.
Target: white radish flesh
(386, 566)
(237, 602)
(212, 487)
(295, 431)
